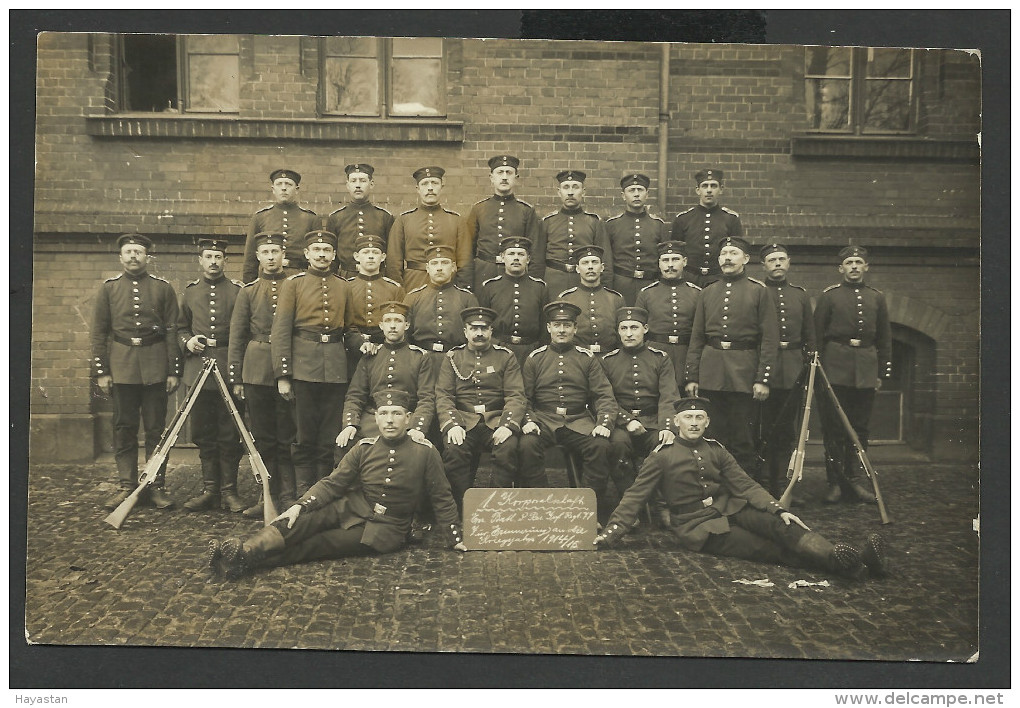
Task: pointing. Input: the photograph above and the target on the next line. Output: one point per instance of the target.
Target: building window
(378, 77)
(165, 73)
(861, 90)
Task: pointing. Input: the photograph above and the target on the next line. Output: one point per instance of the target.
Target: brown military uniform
(566, 231)
(293, 222)
(493, 219)
(670, 305)
(351, 221)
(633, 240)
(520, 324)
(701, 228)
(416, 231)
(596, 325)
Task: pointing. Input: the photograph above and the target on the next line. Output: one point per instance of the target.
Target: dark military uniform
(206, 309)
(701, 228)
(293, 222)
(670, 305)
(251, 364)
(434, 314)
(368, 293)
(560, 382)
(351, 221)
(734, 341)
(493, 219)
(519, 325)
(139, 314)
(308, 348)
(481, 391)
(855, 338)
(415, 232)
(633, 239)
(596, 325)
(566, 231)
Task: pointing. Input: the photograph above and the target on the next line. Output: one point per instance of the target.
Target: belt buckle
(595, 348)
(855, 342)
(561, 410)
(725, 344)
(324, 338)
(707, 501)
(636, 413)
(379, 509)
(210, 341)
(784, 345)
(704, 270)
(571, 267)
(136, 341)
(516, 340)
(673, 339)
(639, 274)
(479, 409)
(366, 337)
(437, 346)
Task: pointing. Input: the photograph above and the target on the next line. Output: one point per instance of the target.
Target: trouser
(629, 287)
(626, 452)
(218, 440)
(272, 426)
(134, 404)
(318, 413)
(557, 281)
(461, 461)
(758, 536)
(318, 535)
(779, 414)
(732, 417)
(841, 464)
(594, 453)
(677, 355)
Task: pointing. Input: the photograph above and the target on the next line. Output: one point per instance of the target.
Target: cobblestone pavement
(88, 584)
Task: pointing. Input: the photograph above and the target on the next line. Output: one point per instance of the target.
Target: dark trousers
(779, 415)
(732, 417)
(841, 463)
(594, 453)
(134, 404)
(318, 413)
(626, 453)
(758, 536)
(272, 426)
(317, 535)
(461, 461)
(214, 432)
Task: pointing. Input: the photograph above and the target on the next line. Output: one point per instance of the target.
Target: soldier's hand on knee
(787, 517)
(416, 435)
(105, 384)
(635, 427)
(501, 434)
(460, 547)
(346, 435)
(172, 382)
(290, 515)
(600, 431)
(530, 428)
(456, 435)
(761, 392)
(667, 436)
(691, 389)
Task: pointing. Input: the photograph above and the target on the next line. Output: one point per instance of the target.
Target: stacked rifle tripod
(795, 469)
(148, 476)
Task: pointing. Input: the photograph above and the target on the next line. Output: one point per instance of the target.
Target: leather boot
(874, 556)
(159, 498)
(210, 496)
(833, 474)
(239, 558)
(113, 502)
(228, 490)
(833, 495)
(840, 558)
(255, 510)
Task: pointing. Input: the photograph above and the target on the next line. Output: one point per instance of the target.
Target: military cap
(638, 314)
(585, 251)
(571, 176)
(692, 403)
(707, 174)
(392, 397)
(515, 242)
(561, 310)
(394, 307)
(440, 251)
(320, 236)
(289, 174)
(360, 167)
(134, 239)
(212, 244)
(503, 161)
(635, 178)
(853, 252)
(424, 172)
(772, 248)
(478, 316)
(267, 239)
(735, 241)
(678, 247)
(369, 241)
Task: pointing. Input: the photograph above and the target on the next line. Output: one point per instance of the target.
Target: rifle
(258, 467)
(858, 448)
(159, 455)
(795, 470)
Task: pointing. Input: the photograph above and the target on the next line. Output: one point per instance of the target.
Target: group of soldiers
(371, 398)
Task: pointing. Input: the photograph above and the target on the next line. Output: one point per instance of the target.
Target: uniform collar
(734, 278)
(370, 277)
(672, 283)
(319, 273)
(215, 281)
(273, 276)
(430, 207)
(635, 350)
(445, 286)
(582, 286)
(560, 348)
(136, 276)
(578, 210)
(398, 345)
(711, 208)
(505, 198)
(775, 283)
(687, 443)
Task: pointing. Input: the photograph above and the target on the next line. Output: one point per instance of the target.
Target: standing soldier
(428, 225)
(596, 328)
(852, 324)
(309, 359)
(480, 403)
(251, 372)
(701, 227)
(141, 366)
(633, 238)
(570, 403)
(796, 345)
(670, 302)
(517, 298)
(283, 217)
(733, 350)
(203, 330)
(359, 217)
(369, 290)
(434, 309)
(568, 229)
(501, 215)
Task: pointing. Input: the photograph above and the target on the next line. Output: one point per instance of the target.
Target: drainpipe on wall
(663, 125)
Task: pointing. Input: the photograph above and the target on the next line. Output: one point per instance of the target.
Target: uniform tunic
(560, 383)
(293, 222)
(493, 219)
(434, 314)
(417, 230)
(670, 305)
(633, 239)
(701, 228)
(596, 325)
(351, 221)
(402, 366)
(848, 313)
(368, 292)
(518, 302)
(311, 305)
(644, 386)
(206, 309)
(249, 355)
(565, 231)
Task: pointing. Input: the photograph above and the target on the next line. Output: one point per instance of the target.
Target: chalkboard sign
(529, 519)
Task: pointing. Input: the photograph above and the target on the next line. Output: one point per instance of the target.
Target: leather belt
(322, 337)
(789, 345)
(414, 265)
(703, 270)
(594, 348)
(726, 344)
(264, 338)
(653, 410)
(433, 345)
(851, 342)
(480, 409)
(492, 260)
(139, 341)
(636, 274)
(692, 506)
(214, 343)
(523, 341)
(681, 339)
(562, 266)
(561, 410)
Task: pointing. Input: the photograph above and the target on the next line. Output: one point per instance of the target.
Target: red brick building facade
(867, 146)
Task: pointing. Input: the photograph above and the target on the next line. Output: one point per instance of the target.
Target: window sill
(889, 147)
(219, 127)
